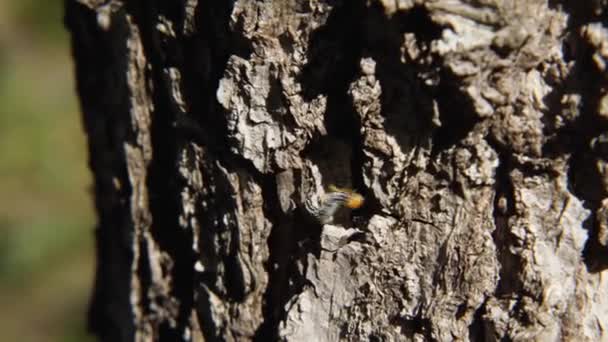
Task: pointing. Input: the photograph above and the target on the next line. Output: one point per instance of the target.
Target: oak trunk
(477, 131)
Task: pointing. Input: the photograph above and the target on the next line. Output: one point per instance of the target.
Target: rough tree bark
(476, 130)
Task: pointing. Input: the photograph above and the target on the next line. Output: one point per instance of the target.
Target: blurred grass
(46, 214)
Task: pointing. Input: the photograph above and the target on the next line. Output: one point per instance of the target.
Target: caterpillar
(323, 209)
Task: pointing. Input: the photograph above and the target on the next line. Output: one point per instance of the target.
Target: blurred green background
(46, 210)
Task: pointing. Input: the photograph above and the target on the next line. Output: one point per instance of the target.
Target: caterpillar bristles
(324, 210)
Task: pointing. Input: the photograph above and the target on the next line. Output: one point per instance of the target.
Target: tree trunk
(477, 131)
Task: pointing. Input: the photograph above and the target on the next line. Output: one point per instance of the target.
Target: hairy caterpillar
(323, 209)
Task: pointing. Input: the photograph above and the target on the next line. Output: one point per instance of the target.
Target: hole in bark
(417, 325)
(456, 113)
(406, 102)
(461, 310)
(418, 21)
(334, 51)
(580, 12)
(476, 328)
(332, 157)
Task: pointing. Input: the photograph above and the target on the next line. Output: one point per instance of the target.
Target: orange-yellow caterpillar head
(354, 201)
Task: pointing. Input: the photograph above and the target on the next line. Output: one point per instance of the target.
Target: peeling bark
(476, 131)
